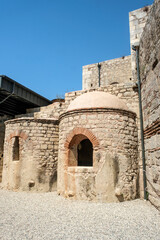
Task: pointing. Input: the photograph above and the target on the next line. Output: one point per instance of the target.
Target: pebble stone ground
(48, 216)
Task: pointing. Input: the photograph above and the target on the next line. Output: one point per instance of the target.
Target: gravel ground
(47, 216)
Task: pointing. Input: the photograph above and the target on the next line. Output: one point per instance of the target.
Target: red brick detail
(23, 135)
(17, 133)
(78, 134)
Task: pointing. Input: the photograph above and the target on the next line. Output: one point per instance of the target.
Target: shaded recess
(80, 151)
(16, 149)
(85, 153)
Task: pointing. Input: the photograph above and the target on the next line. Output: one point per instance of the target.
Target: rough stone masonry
(90, 143)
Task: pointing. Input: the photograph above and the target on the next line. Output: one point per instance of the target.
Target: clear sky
(45, 43)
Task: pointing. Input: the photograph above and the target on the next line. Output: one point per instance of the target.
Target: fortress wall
(137, 21)
(112, 71)
(150, 77)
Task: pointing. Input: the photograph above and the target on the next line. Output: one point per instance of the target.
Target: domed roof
(97, 99)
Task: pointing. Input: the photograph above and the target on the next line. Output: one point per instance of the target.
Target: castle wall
(114, 174)
(35, 168)
(137, 21)
(150, 78)
(112, 71)
(120, 70)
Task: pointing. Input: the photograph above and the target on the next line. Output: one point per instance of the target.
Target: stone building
(88, 146)
(98, 149)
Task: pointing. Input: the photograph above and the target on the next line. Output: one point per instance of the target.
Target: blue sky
(45, 43)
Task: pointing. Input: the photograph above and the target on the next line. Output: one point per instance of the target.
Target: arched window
(16, 149)
(80, 151)
(85, 153)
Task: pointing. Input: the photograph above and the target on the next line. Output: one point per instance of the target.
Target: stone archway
(79, 146)
(81, 131)
(17, 133)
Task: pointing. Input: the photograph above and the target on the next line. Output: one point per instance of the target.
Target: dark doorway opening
(16, 149)
(85, 153)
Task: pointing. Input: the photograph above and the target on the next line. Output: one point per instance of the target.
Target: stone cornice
(97, 110)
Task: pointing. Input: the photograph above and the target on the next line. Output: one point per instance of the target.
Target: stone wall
(128, 93)
(51, 111)
(2, 134)
(111, 72)
(150, 78)
(114, 174)
(36, 168)
(125, 91)
(137, 21)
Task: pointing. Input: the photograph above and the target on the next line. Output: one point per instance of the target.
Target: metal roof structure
(15, 98)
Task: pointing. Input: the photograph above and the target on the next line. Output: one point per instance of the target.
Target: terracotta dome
(97, 99)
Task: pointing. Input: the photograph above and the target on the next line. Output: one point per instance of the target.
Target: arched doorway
(80, 151)
(85, 153)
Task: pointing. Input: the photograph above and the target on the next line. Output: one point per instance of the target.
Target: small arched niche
(16, 149)
(80, 152)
